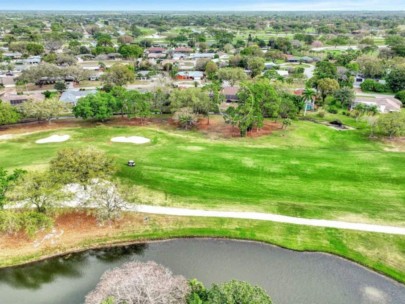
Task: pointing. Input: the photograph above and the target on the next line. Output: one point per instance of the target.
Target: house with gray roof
(202, 55)
(72, 96)
(12, 55)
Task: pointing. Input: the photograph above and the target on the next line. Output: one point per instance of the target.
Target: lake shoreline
(154, 240)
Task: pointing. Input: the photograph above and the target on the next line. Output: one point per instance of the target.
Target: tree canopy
(99, 106)
(8, 114)
(72, 165)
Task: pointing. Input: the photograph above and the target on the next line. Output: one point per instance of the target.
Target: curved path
(268, 217)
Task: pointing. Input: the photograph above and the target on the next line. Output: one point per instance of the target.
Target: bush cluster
(370, 85)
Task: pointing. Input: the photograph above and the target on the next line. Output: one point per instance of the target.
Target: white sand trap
(132, 139)
(6, 136)
(16, 135)
(53, 139)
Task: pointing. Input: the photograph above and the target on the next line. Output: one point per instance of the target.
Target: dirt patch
(69, 230)
(34, 126)
(395, 144)
(218, 128)
(153, 121)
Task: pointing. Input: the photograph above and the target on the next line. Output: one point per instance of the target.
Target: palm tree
(308, 96)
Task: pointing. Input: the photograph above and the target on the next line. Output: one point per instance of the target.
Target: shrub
(47, 94)
(8, 114)
(321, 113)
(185, 118)
(232, 292)
(30, 222)
(299, 70)
(396, 79)
(34, 221)
(401, 96)
(60, 86)
(330, 100)
(392, 124)
(286, 122)
(380, 88)
(367, 85)
(373, 86)
(332, 109)
(9, 222)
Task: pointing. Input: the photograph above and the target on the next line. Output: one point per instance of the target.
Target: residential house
(202, 55)
(383, 104)
(14, 99)
(282, 73)
(230, 94)
(29, 61)
(186, 65)
(17, 99)
(52, 80)
(95, 67)
(12, 55)
(7, 81)
(307, 59)
(180, 56)
(270, 65)
(142, 75)
(85, 57)
(114, 56)
(183, 49)
(190, 75)
(95, 76)
(223, 56)
(293, 59)
(72, 96)
(156, 55)
(156, 50)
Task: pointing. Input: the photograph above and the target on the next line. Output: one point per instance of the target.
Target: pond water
(289, 277)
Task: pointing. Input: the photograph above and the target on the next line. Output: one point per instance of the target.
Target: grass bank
(383, 253)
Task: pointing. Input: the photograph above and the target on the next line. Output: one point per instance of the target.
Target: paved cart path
(268, 217)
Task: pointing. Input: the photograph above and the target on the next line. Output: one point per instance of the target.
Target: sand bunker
(132, 139)
(6, 136)
(53, 139)
(16, 135)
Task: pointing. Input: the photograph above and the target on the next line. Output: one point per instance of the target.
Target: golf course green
(309, 170)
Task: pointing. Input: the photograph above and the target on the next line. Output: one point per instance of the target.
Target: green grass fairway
(309, 170)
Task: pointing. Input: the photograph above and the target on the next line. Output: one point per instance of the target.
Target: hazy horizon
(208, 5)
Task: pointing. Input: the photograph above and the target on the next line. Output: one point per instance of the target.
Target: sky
(204, 5)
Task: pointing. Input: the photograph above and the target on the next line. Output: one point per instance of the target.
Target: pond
(288, 276)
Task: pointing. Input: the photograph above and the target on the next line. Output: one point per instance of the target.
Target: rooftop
(72, 96)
